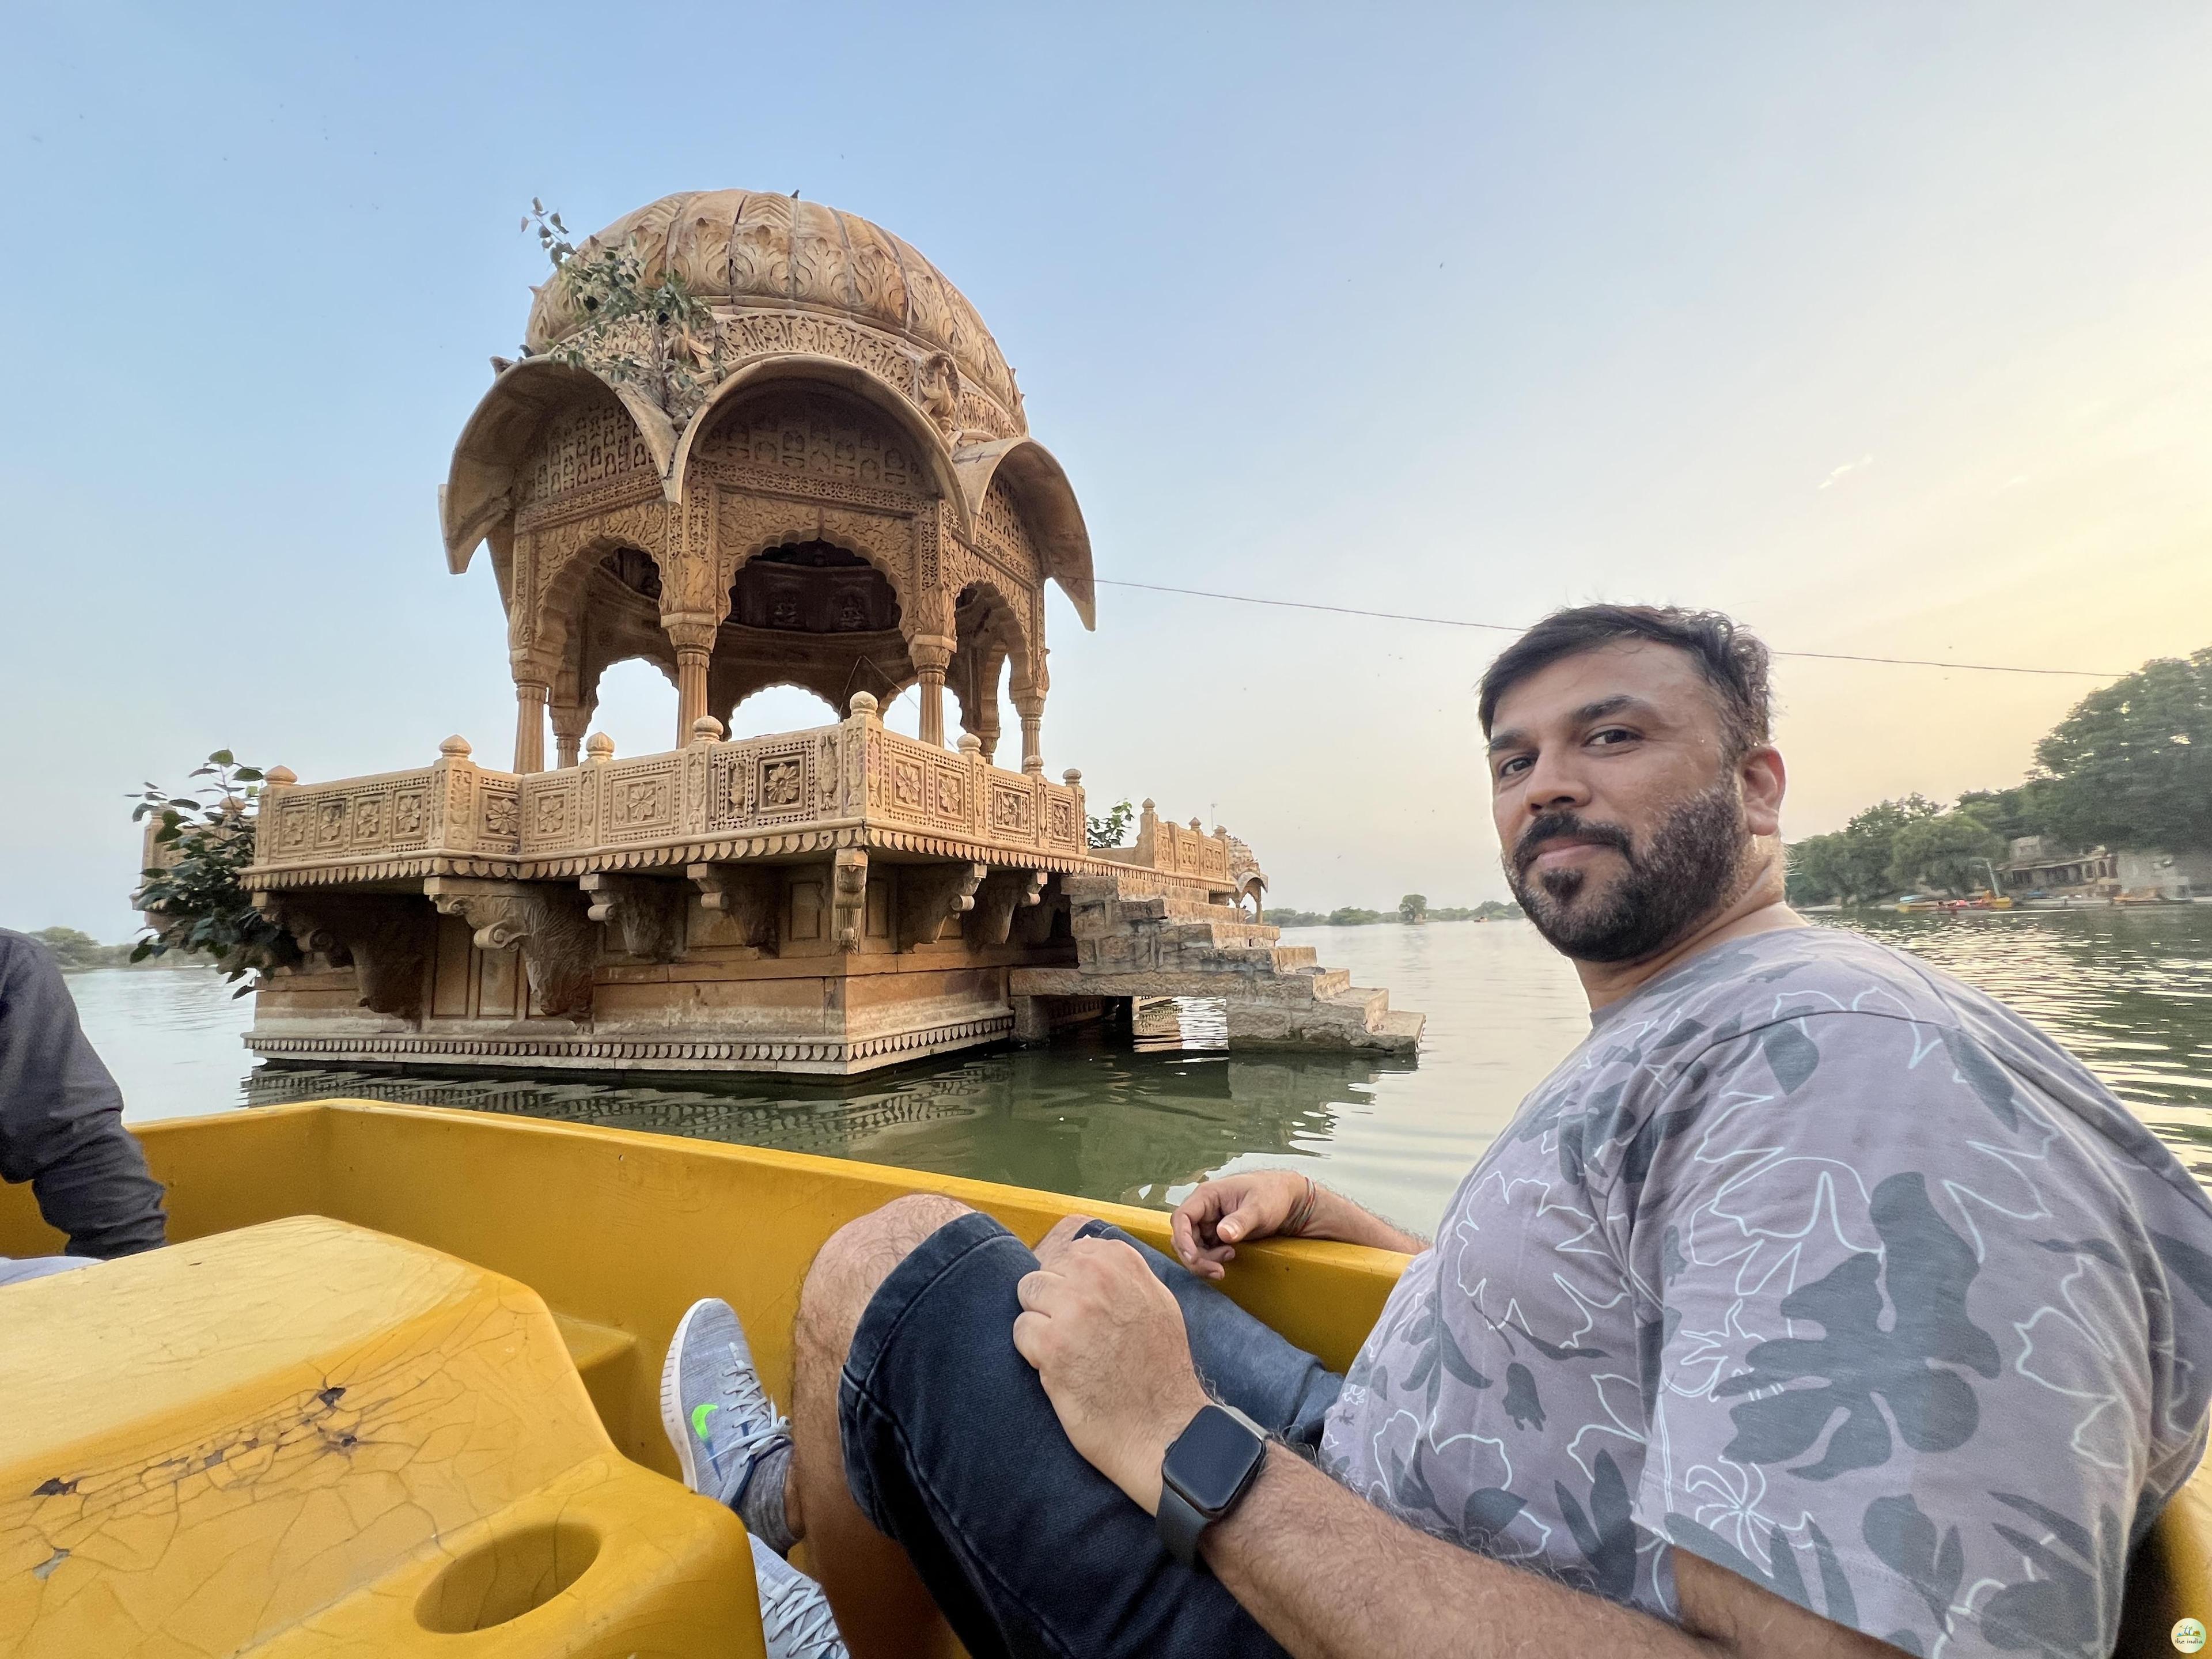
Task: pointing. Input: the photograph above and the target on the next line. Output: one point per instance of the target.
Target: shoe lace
(797, 1617)
(765, 1426)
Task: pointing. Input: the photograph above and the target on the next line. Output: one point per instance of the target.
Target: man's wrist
(1148, 1446)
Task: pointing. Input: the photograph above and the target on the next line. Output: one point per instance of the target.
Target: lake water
(2130, 992)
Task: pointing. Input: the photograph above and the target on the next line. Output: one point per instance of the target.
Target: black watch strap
(1181, 1525)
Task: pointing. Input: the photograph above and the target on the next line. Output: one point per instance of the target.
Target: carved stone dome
(750, 252)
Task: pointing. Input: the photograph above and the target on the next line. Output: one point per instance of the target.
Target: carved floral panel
(1013, 811)
(953, 795)
(640, 800)
(501, 826)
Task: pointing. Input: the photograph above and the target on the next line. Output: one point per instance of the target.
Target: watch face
(1212, 1459)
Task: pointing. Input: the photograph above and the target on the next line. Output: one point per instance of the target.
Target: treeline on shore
(74, 952)
(2130, 767)
(1413, 909)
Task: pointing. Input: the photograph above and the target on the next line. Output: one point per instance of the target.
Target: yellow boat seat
(306, 1438)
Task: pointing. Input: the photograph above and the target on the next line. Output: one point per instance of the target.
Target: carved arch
(784, 682)
(1025, 469)
(748, 525)
(554, 564)
(803, 371)
(479, 494)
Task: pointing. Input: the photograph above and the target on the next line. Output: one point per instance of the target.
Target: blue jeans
(14, 1269)
(952, 1449)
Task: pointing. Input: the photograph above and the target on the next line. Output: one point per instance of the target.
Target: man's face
(1620, 814)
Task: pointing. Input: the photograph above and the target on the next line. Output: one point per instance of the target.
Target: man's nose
(1553, 786)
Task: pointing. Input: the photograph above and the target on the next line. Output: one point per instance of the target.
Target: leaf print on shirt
(1925, 1267)
(1606, 1534)
(1522, 1402)
(1791, 1056)
(1904, 1540)
(2069, 1603)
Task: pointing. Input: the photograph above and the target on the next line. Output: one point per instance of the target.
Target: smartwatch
(1208, 1468)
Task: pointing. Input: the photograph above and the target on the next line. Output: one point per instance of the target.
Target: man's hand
(1221, 1214)
(1108, 1342)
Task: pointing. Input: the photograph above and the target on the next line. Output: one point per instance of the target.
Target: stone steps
(1154, 945)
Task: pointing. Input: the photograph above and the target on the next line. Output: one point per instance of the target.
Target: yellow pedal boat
(392, 1391)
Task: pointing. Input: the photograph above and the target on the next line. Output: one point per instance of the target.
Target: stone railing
(854, 776)
(1180, 850)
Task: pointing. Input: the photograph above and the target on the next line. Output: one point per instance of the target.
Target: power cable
(1510, 628)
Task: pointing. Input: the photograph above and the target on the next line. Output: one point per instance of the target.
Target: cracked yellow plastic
(304, 1437)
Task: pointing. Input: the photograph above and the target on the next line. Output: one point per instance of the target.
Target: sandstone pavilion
(819, 476)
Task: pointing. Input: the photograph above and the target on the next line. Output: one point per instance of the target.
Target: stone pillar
(987, 730)
(530, 726)
(1032, 705)
(931, 653)
(569, 720)
(693, 636)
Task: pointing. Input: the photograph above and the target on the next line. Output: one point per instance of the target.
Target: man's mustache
(1552, 825)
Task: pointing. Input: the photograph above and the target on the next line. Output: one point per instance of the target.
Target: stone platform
(827, 901)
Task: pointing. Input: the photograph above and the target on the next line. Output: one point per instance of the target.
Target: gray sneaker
(795, 1615)
(715, 1411)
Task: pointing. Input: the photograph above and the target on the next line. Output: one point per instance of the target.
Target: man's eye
(1518, 763)
(1611, 734)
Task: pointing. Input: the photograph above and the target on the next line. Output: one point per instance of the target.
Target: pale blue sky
(1470, 311)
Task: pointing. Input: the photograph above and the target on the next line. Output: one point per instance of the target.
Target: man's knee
(857, 1258)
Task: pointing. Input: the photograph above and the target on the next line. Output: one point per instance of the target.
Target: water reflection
(1102, 1123)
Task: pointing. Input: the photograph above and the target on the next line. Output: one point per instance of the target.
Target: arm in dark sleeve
(61, 1115)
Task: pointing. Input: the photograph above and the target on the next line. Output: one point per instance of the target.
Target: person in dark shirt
(61, 1122)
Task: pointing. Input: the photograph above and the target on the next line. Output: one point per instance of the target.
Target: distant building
(2150, 874)
(2038, 864)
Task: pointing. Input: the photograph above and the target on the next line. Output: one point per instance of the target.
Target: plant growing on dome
(658, 335)
(191, 892)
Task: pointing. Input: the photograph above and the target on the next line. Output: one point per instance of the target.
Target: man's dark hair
(1733, 659)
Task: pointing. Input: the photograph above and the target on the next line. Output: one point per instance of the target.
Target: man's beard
(1693, 867)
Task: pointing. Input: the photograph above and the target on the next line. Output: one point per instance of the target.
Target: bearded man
(1817, 1304)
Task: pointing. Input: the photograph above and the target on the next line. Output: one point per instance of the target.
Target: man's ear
(1764, 781)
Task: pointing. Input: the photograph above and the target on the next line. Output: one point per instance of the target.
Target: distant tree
(1852, 865)
(1414, 907)
(2021, 810)
(1351, 915)
(1946, 853)
(204, 841)
(2131, 766)
(1108, 830)
(1496, 910)
(1282, 916)
(1816, 869)
(72, 950)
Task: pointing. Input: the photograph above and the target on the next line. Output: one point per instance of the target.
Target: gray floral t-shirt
(1819, 1265)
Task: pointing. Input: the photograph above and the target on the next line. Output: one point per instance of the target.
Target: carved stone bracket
(930, 895)
(1002, 894)
(559, 946)
(386, 939)
(648, 915)
(749, 894)
(1034, 925)
(849, 894)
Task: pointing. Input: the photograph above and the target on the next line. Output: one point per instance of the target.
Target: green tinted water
(2130, 992)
